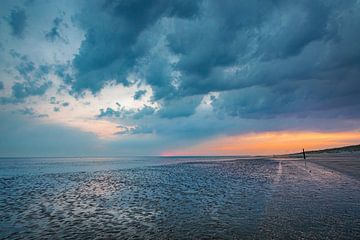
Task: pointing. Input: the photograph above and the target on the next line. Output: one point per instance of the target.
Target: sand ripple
(230, 200)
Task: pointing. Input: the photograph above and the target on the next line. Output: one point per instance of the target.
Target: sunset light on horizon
(269, 143)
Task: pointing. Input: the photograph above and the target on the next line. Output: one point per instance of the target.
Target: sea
(175, 198)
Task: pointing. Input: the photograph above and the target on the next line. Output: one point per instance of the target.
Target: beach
(248, 198)
(346, 163)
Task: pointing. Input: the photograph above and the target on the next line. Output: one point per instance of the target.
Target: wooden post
(304, 154)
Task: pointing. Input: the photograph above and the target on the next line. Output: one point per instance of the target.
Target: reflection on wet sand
(245, 199)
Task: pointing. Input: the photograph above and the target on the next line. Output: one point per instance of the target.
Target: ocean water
(175, 198)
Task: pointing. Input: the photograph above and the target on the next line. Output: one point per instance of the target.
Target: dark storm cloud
(267, 58)
(17, 22)
(303, 98)
(112, 28)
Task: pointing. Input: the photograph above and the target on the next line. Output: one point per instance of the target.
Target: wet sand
(245, 199)
(346, 163)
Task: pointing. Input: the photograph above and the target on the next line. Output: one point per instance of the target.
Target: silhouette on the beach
(304, 154)
(304, 157)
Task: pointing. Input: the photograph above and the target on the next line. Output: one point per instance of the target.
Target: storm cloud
(172, 73)
(264, 58)
(110, 49)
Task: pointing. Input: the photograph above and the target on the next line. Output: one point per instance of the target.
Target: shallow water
(44, 165)
(245, 199)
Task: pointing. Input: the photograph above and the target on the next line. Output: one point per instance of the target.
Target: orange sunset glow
(268, 143)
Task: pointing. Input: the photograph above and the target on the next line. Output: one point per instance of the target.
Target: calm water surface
(175, 198)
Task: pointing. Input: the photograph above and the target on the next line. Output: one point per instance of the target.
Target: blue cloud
(227, 47)
(122, 113)
(158, 74)
(23, 90)
(143, 112)
(63, 72)
(25, 69)
(17, 22)
(135, 131)
(55, 32)
(139, 94)
(110, 48)
(32, 79)
(109, 112)
(183, 107)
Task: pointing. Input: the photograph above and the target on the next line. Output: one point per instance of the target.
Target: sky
(178, 77)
